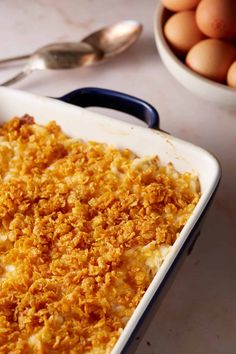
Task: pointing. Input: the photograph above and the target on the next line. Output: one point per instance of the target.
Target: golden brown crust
(75, 218)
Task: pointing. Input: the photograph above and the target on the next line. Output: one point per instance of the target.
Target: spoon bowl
(67, 55)
(95, 48)
(114, 39)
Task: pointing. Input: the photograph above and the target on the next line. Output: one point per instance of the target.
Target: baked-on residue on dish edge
(84, 228)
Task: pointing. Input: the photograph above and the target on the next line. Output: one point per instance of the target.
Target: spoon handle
(12, 59)
(25, 72)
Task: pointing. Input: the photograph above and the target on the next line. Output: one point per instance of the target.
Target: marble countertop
(198, 314)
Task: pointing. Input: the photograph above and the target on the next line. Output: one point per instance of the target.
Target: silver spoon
(97, 47)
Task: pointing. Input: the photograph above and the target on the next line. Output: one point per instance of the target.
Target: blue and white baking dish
(76, 121)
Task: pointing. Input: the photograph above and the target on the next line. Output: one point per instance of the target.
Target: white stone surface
(198, 315)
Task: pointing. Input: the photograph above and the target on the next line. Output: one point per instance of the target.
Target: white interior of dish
(87, 125)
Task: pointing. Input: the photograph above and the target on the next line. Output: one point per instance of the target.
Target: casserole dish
(78, 122)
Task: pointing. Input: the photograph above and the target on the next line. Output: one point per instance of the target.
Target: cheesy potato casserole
(84, 227)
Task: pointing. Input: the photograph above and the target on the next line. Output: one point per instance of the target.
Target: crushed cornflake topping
(83, 229)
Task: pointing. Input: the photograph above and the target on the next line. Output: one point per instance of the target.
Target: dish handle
(99, 97)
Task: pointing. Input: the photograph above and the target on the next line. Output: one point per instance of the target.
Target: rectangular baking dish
(87, 125)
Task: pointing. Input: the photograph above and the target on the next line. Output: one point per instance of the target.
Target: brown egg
(180, 5)
(211, 58)
(217, 18)
(182, 32)
(231, 75)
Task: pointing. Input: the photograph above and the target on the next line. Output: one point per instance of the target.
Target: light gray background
(198, 315)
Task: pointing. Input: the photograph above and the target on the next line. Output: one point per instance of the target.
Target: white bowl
(207, 89)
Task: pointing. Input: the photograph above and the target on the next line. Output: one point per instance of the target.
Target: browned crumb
(74, 220)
